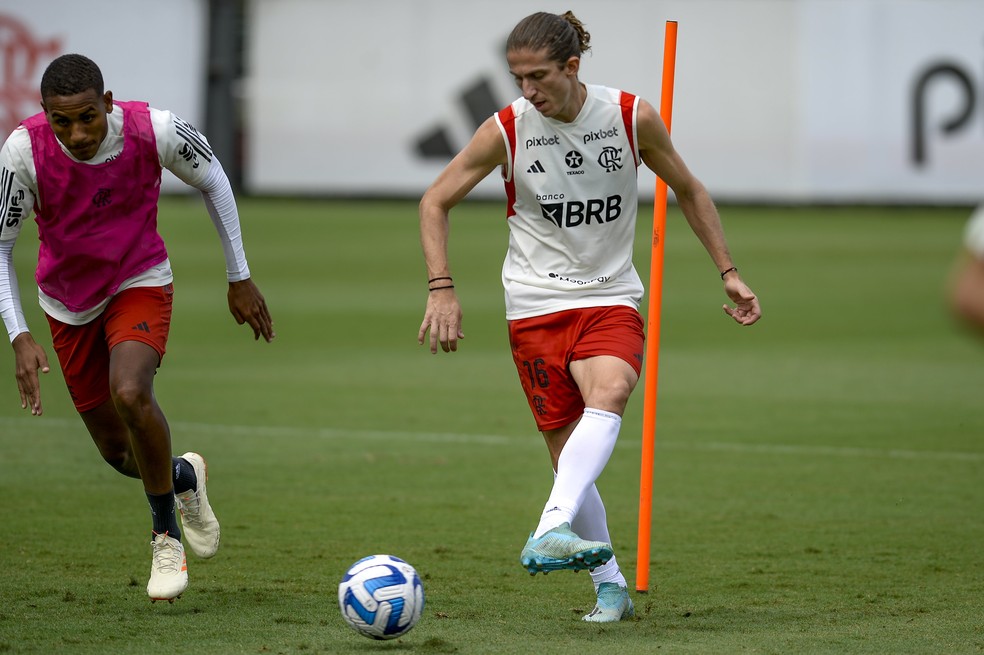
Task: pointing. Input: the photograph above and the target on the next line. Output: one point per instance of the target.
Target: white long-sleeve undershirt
(222, 208)
(10, 304)
(182, 150)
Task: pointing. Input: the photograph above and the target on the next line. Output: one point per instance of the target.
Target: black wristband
(435, 279)
(450, 286)
(733, 268)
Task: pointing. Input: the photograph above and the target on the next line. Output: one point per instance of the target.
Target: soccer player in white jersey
(89, 167)
(966, 293)
(568, 153)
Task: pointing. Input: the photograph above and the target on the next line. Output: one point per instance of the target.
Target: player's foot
(198, 522)
(613, 604)
(168, 570)
(559, 549)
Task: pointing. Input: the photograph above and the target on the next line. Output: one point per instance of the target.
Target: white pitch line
(341, 433)
(833, 451)
(532, 439)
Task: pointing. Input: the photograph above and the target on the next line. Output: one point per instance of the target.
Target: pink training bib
(97, 223)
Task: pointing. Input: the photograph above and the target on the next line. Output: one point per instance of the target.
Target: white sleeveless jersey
(572, 194)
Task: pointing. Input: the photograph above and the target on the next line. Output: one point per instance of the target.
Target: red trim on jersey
(507, 118)
(627, 101)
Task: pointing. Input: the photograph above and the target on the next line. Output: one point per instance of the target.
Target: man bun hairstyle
(563, 36)
(69, 75)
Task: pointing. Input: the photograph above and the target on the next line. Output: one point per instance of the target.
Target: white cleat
(168, 570)
(198, 522)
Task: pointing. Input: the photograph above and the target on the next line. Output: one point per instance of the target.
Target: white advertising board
(777, 100)
(147, 50)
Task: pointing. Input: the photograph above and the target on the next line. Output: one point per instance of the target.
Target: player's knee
(131, 398)
(112, 438)
(121, 460)
(612, 396)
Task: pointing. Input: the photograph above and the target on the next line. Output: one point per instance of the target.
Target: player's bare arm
(659, 155)
(29, 358)
(442, 316)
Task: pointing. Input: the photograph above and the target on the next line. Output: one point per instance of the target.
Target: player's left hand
(746, 310)
(248, 306)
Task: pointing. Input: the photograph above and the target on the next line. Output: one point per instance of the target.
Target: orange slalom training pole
(652, 336)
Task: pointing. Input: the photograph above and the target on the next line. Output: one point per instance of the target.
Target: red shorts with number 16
(544, 346)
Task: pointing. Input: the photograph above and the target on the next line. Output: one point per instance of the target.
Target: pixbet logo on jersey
(600, 134)
(542, 141)
(574, 212)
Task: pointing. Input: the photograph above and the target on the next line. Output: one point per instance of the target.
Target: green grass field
(819, 477)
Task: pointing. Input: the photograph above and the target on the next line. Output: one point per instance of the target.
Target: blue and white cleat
(613, 604)
(559, 549)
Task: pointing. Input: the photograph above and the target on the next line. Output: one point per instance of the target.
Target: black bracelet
(733, 268)
(435, 279)
(450, 286)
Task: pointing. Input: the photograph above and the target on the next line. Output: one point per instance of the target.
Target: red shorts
(544, 346)
(135, 314)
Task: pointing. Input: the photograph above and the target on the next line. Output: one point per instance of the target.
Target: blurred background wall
(151, 51)
(802, 101)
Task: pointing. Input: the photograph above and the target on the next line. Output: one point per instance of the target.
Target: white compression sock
(581, 462)
(591, 523)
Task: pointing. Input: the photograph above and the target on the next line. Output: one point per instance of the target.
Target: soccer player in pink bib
(568, 154)
(89, 168)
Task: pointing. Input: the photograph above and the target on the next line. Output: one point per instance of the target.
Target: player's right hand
(29, 358)
(442, 318)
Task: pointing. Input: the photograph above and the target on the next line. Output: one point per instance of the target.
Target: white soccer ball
(381, 597)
